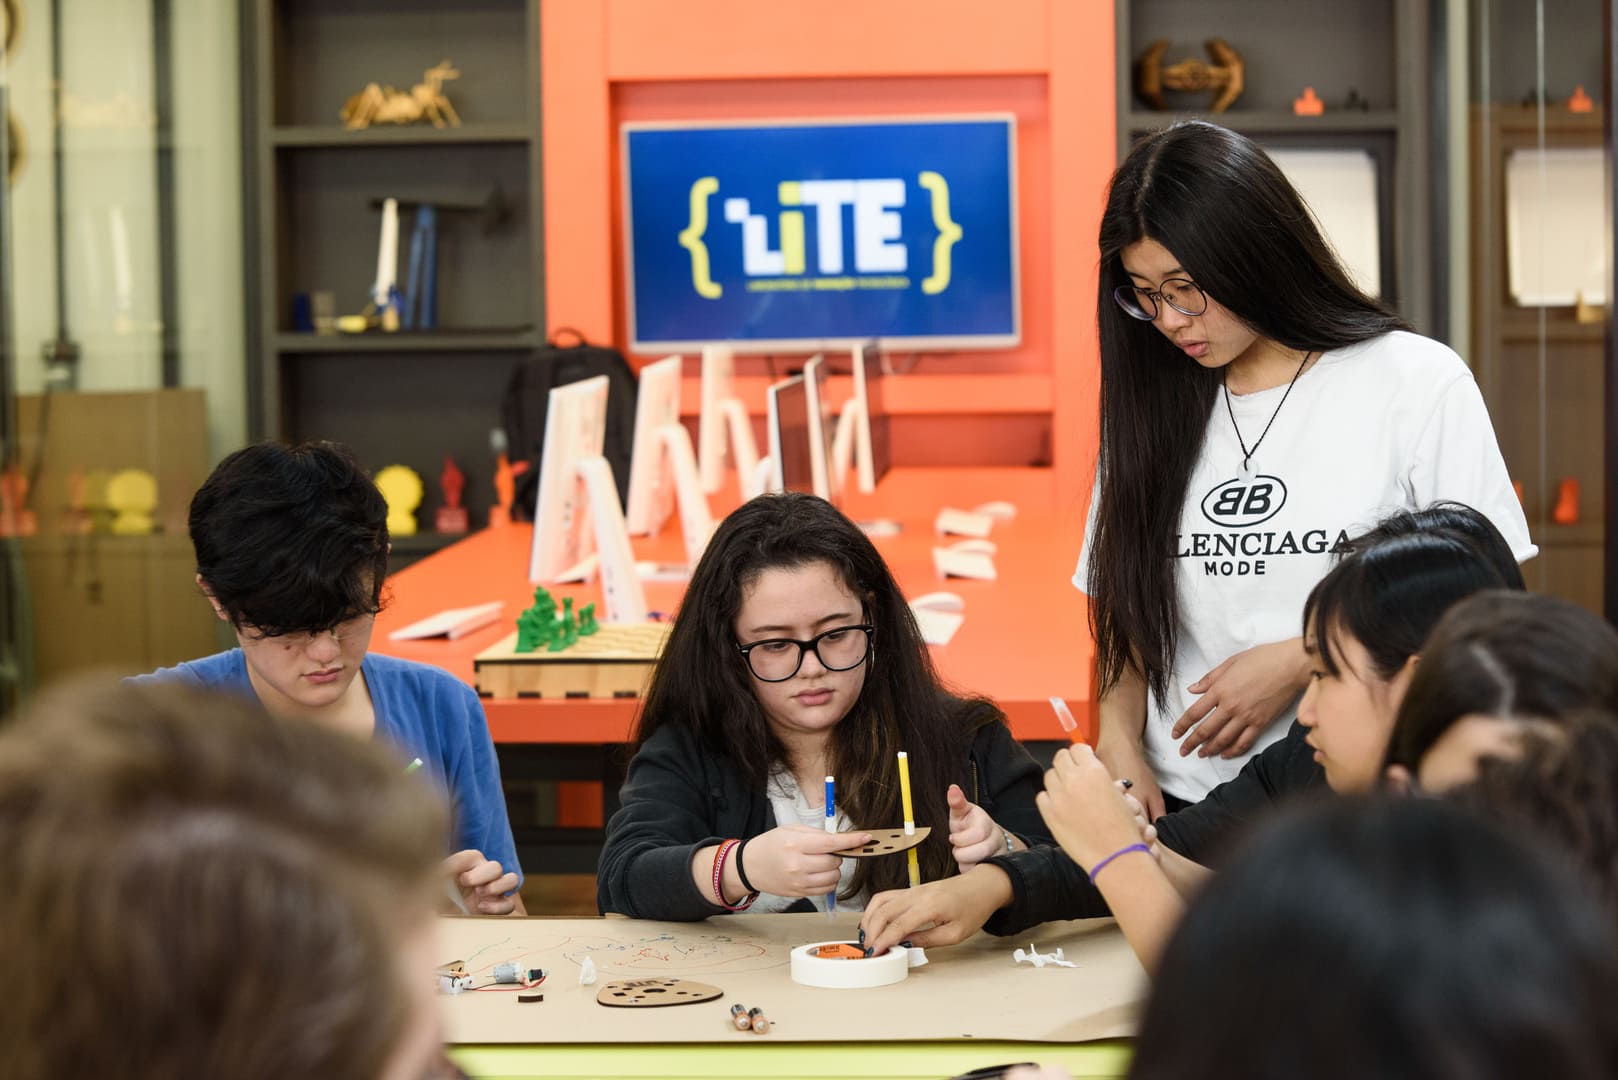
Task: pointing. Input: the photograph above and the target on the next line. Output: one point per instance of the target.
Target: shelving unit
(405, 398)
(1506, 351)
(1379, 49)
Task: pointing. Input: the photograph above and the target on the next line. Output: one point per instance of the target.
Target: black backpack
(522, 409)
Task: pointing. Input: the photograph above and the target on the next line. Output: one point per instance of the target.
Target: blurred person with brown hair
(196, 889)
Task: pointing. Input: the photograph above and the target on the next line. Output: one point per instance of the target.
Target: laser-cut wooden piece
(886, 842)
(656, 993)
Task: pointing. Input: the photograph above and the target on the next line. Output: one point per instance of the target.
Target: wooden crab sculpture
(385, 105)
(1224, 76)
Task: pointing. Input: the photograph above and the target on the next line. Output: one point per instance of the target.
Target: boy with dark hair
(292, 548)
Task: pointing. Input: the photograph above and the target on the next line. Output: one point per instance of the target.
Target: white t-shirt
(792, 808)
(1393, 423)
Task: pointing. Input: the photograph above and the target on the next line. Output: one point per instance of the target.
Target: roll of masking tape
(834, 973)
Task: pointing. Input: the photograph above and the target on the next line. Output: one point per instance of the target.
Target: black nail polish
(862, 935)
(867, 950)
(907, 944)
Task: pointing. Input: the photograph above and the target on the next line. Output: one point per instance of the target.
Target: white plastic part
(963, 523)
(696, 520)
(623, 599)
(587, 972)
(743, 447)
(951, 562)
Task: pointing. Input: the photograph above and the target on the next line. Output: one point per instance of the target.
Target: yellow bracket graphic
(948, 233)
(691, 239)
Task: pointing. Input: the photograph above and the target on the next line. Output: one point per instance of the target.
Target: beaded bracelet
(719, 879)
(1121, 851)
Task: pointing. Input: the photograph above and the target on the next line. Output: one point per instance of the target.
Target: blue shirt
(427, 713)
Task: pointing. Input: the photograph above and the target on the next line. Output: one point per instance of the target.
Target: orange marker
(1064, 716)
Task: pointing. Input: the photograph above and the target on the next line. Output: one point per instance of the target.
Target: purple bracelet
(1121, 851)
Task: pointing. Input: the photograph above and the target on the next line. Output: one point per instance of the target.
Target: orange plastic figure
(1308, 104)
(1566, 511)
(505, 489)
(451, 517)
(1580, 101)
(15, 518)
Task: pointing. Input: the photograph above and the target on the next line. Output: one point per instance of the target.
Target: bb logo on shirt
(1245, 501)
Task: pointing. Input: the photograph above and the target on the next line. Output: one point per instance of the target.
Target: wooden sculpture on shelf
(1224, 76)
(385, 105)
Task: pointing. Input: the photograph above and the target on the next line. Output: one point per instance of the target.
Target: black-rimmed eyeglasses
(837, 649)
(1181, 294)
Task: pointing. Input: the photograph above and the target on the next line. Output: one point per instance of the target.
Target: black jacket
(677, 799)
(1047, 885)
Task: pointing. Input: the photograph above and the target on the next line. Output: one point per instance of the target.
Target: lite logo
(1244, 501)
(877, 230)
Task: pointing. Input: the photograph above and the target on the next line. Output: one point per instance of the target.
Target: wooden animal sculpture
(385, 105)
(1224, 76)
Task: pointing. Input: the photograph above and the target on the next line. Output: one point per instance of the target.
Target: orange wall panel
(656, 40)
(1049, 62)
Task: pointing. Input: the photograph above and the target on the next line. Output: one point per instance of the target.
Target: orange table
(1026, 637)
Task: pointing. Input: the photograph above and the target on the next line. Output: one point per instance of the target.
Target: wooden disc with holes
(652, 993)
(886, 842)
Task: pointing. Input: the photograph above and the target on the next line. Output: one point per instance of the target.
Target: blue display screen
(779, 236)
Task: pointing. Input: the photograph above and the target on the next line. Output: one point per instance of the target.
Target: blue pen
(831, 827)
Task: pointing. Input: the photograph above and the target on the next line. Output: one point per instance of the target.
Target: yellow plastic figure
(402, 488)
(132, 496)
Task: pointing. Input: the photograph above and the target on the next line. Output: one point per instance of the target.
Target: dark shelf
(1582, 534)
(1520, 326)
(399, 135)
(503, 340)
(1260, 122)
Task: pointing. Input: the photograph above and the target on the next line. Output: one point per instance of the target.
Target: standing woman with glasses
(1256, 410)
(794, 657)
(292, 548)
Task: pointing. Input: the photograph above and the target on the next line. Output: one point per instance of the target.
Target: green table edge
(782, 1060)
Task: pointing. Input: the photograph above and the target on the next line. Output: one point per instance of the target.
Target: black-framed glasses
(1181, 294)
(837, 649)
(350, 627)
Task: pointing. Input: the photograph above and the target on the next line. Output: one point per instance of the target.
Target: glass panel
(1535, 226)
(123, 327)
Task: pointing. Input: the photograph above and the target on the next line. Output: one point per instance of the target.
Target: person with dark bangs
(292, 549)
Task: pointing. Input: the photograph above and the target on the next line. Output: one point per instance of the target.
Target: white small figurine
(1039, 959)
(587, 972)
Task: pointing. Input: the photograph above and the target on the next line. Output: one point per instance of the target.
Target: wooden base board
(614, 662)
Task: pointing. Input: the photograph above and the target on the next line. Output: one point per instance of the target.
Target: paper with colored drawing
(970, 991)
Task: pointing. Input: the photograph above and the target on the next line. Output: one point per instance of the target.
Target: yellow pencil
(910, 816)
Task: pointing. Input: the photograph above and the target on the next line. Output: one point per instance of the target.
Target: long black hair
(1217, 202)
(702, 684)
(1401, 939)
